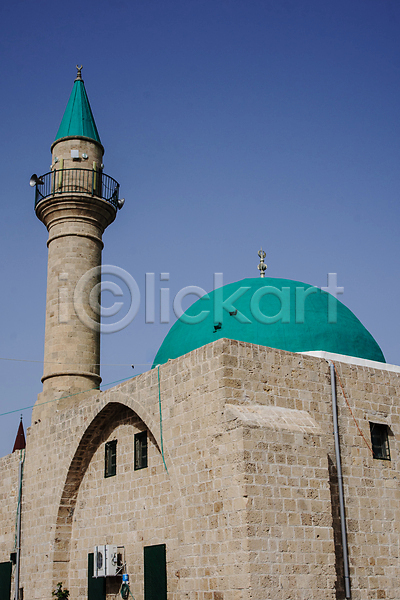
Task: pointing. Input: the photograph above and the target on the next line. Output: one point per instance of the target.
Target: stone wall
(289, 521)
(372, 493)
(246, 501)
(8, 503)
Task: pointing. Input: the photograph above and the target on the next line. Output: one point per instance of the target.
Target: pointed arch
(101, 426)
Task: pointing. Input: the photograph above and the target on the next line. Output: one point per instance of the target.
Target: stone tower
(76, 201)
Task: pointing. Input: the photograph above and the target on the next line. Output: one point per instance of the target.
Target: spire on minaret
(20, 439)
(78, 120)
(262, 267)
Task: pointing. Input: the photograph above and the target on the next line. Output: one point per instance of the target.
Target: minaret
(76, 201)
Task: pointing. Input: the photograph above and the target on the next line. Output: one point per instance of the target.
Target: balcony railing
(86, 181)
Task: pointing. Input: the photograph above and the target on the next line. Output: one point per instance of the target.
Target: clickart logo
(264, 303)
(85, 298)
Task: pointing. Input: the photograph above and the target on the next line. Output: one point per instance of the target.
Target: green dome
(278, 313)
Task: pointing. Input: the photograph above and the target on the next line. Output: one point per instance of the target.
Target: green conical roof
(78, 120)
(278, 313)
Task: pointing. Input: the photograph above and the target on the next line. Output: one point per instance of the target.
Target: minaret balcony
(78, 181)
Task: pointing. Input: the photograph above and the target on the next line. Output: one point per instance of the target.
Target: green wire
(159, 404)
(130, 592)
(63, 397)
(129, 589)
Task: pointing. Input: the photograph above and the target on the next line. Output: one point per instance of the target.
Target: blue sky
(229, 125)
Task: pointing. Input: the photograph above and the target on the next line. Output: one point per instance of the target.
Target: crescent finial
(79, 74)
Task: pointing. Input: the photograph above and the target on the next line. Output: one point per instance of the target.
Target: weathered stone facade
(246, 501)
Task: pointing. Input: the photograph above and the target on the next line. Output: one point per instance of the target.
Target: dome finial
(262, 267)
(79, 74)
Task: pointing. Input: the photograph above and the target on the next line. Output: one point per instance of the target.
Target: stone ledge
(273, 417)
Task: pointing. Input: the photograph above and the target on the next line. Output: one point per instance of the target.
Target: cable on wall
(159, 404)
(351, 412)
(63, 397)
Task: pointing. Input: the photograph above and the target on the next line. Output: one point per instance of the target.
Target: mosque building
(257, 459)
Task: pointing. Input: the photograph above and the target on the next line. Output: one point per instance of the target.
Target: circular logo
(88, 292)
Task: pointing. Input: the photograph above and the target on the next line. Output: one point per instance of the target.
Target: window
(380, 441)
(110, 465)
(140, 450)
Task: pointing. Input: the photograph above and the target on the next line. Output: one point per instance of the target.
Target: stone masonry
(246, 501)
(76, 217)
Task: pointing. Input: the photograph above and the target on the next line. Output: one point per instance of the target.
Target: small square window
(110, 464)
(140, 450)
(380, 441)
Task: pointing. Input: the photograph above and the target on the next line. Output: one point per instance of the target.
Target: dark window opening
(380, 441)
(110, 466)
(140, 450)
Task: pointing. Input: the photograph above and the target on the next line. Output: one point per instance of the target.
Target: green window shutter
(96, 585)
(140, 450)
(5, 580)
(110, 462)
(155, 572)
